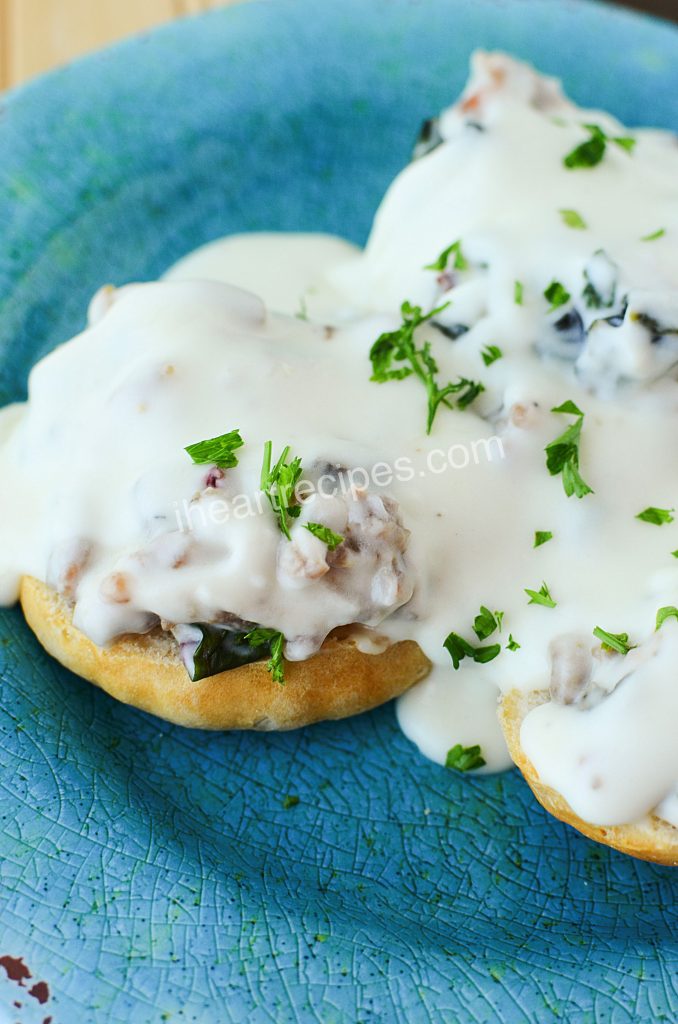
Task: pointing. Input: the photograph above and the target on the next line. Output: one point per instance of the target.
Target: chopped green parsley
(217, 451)
(274, 640)
(591, 152)
(573, 220)
(487, 622)
(542, 537)
(562, 454)
(327, 536)
(490, 354)
(618, 642)
(458, 649)
(668, 612)
(656, 516)
(557, 295)
(541, 596)
(464, 759)
(278, 483)
(460, 262)
(399, 347)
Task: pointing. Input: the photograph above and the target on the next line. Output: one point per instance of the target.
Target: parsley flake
(656, 516)
(464, 759)
(490, 354)
(486, 622)
(542, 537)
(668, 612)
(591, 152)
(460, 261)
(618, 642)
(557, 295)
(541, 596)
(278, 483)
(399, 347)
(573, 220)
(562, 454)
(217, 451)
(458, 649)
(290, 801)
(518, 293)
(654, 236)
(327, 536)
(512, 644)
(274, 640)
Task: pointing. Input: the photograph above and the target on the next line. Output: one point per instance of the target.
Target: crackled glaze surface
(149, 871)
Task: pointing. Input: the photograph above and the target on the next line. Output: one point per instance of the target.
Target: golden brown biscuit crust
(145, 671)
(656, 840)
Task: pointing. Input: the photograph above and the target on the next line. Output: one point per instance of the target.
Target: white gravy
(96, 472)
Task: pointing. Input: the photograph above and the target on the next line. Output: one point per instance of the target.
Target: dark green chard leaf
(429, 138)
(220, 650)
(656, 330)
(451, 331)
(601, 276)
(465, 759)
(591, 296)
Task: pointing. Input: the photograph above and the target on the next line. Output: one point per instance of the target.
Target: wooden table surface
(39, 34)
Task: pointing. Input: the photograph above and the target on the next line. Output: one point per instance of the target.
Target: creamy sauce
(290, 272)
(595, 757)
(102, 493)
(441, 709)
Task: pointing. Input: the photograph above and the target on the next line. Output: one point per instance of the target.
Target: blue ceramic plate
(150, 873)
